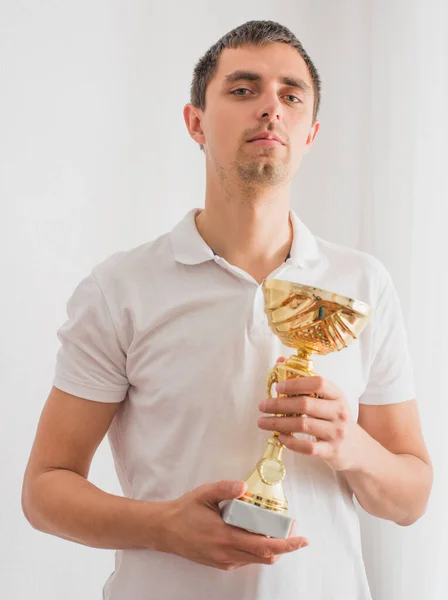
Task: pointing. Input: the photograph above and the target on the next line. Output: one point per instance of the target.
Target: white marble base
(256, 519)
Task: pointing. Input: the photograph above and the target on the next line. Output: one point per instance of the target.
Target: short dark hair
(255, 33)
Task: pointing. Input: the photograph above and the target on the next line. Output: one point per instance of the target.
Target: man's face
(271, 93)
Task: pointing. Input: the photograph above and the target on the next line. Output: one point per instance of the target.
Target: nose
(270, 108)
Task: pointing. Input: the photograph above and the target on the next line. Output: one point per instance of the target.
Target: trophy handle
(289, 370)
(272, 378)
(282, 371)
(276, 374)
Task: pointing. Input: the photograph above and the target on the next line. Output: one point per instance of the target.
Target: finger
(305, 447)
(323, 449)
(309, 385)
(212, 493)
(269, 547)
(243, 557)
(313, 407)
(324, 430)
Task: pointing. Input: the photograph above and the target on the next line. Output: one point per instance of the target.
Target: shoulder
(355, 265)
(126, 268)
(351, 258)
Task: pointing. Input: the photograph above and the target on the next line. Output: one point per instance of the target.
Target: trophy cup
(312, 321)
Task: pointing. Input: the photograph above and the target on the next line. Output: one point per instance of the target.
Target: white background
(95, 158)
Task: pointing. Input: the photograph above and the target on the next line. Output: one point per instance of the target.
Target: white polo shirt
(180, 336)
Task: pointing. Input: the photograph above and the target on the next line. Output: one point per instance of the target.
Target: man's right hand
(58, 499)
(193, 528)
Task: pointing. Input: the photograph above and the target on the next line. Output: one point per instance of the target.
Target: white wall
(95, 157)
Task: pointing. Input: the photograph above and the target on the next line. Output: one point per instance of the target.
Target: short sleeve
(391, 377)
(90, 363)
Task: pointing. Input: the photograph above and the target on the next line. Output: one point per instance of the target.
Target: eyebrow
(240, 75)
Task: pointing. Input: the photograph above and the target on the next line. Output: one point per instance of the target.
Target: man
(167, 348)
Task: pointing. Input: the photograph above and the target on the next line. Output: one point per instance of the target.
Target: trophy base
(255, 519)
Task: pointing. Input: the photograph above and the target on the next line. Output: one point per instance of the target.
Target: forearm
(390, 486)
(64, 504)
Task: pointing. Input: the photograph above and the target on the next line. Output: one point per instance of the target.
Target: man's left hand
(328, 419)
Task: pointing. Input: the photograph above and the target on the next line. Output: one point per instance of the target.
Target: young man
(167, 348)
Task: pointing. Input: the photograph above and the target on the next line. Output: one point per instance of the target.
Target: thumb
(213, 493)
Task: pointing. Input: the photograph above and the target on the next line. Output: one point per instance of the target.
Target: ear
(193, 121)
(312, 136)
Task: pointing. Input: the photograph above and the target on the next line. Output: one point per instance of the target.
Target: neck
(253, 234)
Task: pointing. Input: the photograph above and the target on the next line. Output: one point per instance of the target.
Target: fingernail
(280, 387)
(263, 405)
(235, 487)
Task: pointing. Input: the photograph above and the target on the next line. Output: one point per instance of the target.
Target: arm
(393, 475)
(383, 457)
(57, 498)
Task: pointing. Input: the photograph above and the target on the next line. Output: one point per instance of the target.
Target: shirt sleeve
(391, 377)
(91, 362)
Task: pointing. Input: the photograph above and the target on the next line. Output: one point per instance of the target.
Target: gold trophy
(312, 321)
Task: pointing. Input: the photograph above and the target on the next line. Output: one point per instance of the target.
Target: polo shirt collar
(190, 249)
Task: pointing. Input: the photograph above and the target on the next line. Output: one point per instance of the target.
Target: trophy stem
(298, 365)
(264, 487)
(264, 484)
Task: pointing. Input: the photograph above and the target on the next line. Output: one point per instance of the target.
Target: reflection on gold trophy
(312, 321)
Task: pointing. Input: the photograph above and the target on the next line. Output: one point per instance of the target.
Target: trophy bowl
(312, 321)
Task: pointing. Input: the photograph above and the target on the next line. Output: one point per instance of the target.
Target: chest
(215, 354)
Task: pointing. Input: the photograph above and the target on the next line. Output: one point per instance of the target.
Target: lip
(265, 142)
(267, 139)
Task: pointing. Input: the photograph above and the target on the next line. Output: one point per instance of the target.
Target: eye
(296, 100)
(239, 90)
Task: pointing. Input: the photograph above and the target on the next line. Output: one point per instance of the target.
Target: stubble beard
(256, 171)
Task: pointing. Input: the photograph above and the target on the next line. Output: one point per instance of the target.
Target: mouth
(268, 139)
(266, 142)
